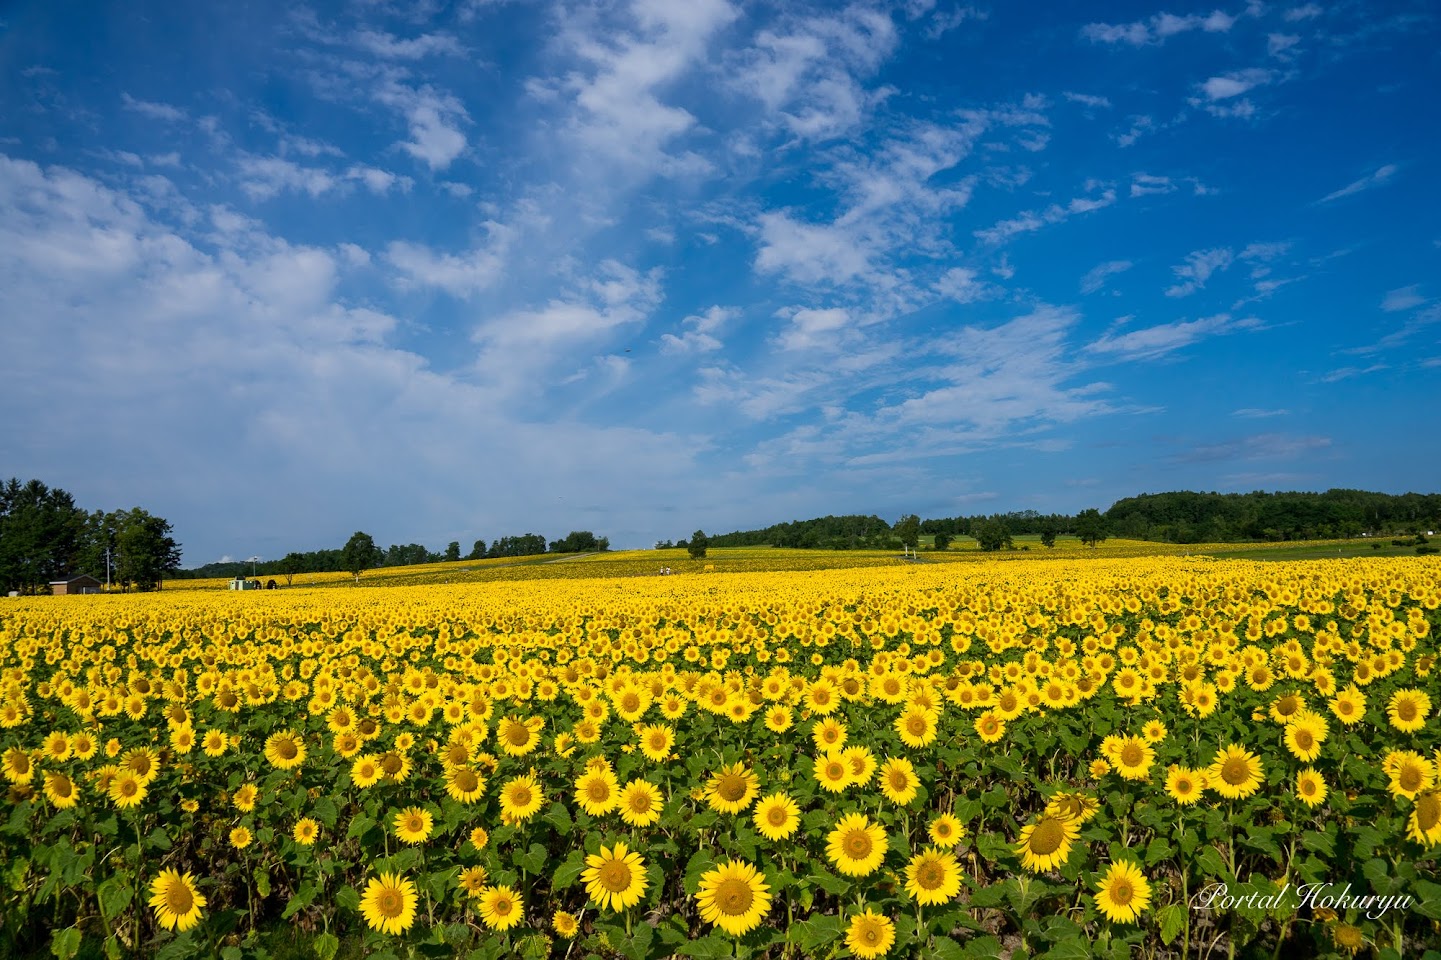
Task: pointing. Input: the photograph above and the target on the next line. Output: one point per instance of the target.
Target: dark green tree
(477, 552)
(291, 564)
(908, 530)
(697, 545)
(1091, 527)
(145, 550)
(1048, 533)
(452, 550)
(41, 533)
(359, 554)
(994, 534)
(943, 541)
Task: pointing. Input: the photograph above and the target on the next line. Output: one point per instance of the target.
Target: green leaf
(300, 900)
(114, 895)
(358, 825)
(984, 948)
(158, 840)
(262, 882)
(699, 863)
(829, 882)
(945, 949)
(1173, 920)
(533, 860)
(231, 953)
(1077, 949)
(325, 811)
(327, 945)
(1158, 850)
(348, 898)
(708, 948)
(559, 818)
(812, 934)
(569, 872)
(65, 943)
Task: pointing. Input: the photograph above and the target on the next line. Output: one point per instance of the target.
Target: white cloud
(1157, 29)
(1282, 45)
(618, 114)
(699, 337)
(1157, 341)
(1235, 83)
(1198, 268)
(961, 285)
(1306, 12)
(153, 110)
(265, 177)
(808, 253)
(1404, 298)
(1143, 184)
(1376, 179)
(1031, 221)
(1140, 126)
(944, 21)
(1095, 278)
(810, 73)
(461, 275)
(1088, 100)
(810, 329)
(434, 118)
(1259, 413)
(392, 47)
(1348, 373)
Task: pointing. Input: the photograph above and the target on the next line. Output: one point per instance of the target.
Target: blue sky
(442, 271)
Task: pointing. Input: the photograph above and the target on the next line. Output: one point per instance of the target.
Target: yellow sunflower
(776, 816)
(857, 846)
(1046, 844)
(1184, 784)
(990, 726)
(413, 825)
(932, 877)
(597, 792)
(870, 934)
(501, 908)
(1123, 893)
(564, 924)
(1310, 787)
(1349, 705)
(732, 789)
(285, 750)
(1133, 758)
(641, 803)
(615, 878)
(1235, 773)
(473, 880)
(388, 903)
(60, 790)
(1424, 823)
(464, 784)
(520, 798)
(127, 789)
(305, 832)
(899, 782)
(832, 772)
(1408, 710)
(176, 900)
(916, 726)
(1305, 734)
(946, 831)
(1410, 773)
(734, 896)
(656, 741)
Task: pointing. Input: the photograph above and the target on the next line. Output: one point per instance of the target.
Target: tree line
(360, 553)
(46, 537)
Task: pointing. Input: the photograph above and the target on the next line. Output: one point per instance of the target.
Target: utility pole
(107, 568)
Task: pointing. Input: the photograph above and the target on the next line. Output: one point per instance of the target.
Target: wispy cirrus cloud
(1154, 342)
(1381, 176)
(1157, 29)
(1197, 269)
(1096, 277)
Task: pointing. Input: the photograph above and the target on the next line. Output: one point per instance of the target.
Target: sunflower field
(1159, 757)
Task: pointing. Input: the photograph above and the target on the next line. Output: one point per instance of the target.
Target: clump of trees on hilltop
(45, 537)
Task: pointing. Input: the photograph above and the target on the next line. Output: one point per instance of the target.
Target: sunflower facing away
(176, 901)
(734, 896)
(615, 878)
(1124, 893)
(388, 903)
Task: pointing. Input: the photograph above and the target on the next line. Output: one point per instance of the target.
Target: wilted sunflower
(734, 896)
(501, 908)
(776, 816)
(388, 903)
(870, 934)
(857, 846)
(932, 877)
(176, 901)
(1123, 893)
(732, 789)
(615, 878)
(1046, 843)
(1235, 773)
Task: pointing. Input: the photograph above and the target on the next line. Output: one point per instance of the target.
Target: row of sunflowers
(1061, 759)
